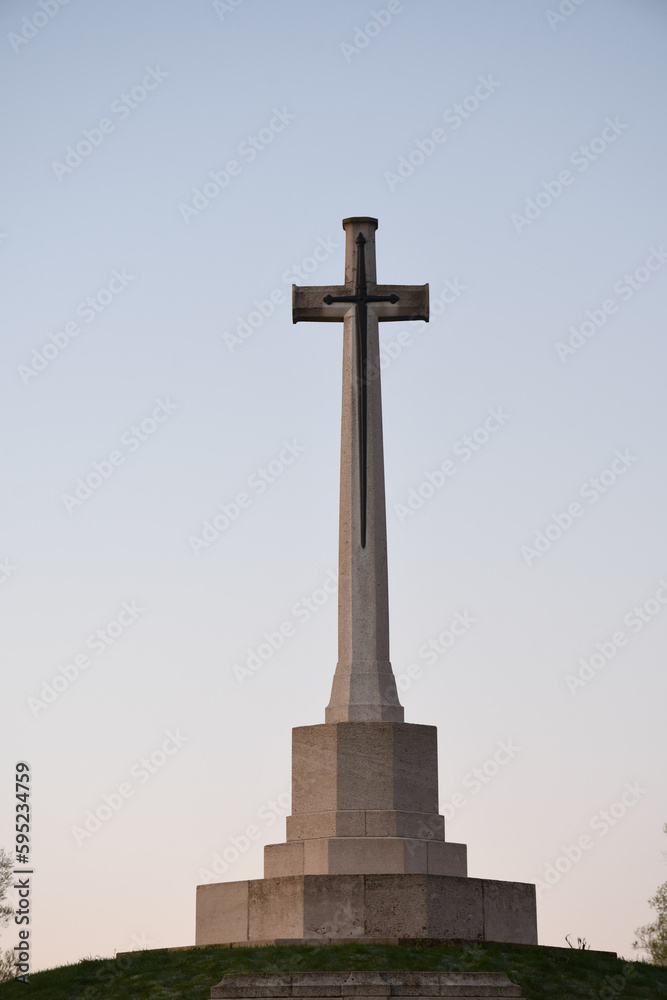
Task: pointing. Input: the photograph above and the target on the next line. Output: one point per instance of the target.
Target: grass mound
(542, 973)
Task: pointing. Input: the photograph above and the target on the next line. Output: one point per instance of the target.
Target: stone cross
(365, 856)
(364, 689)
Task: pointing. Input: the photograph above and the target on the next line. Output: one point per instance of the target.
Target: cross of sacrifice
(364, 687)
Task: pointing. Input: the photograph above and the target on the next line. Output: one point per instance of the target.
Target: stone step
(365, 856)
(365, 986)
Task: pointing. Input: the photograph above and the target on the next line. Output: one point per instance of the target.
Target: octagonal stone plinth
(365, 908)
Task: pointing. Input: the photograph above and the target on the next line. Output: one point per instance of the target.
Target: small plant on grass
(581, 944)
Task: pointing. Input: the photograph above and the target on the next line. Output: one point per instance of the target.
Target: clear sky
(169, 169)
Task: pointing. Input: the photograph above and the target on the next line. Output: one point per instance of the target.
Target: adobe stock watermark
(140, 941)
(464, 449)
(106, 975)
(131, 440)
(121, 108)
(431, 651)
(33, 24)
(454, 117)
(362, 37)
(592, 490)
(141, 772)
(88, 310)
(581, 158)
(267, 815)
(615, 985)
(635, 620)
(258, 483)
(390, 350)
(7, 569)
(565, 9)
(478, 777)
(222, 7)
(263, 308)
(625, 288)
(302, 611)
(98, 642)
(600, 824)
(248, 150)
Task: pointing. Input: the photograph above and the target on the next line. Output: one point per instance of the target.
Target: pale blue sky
(158, 342)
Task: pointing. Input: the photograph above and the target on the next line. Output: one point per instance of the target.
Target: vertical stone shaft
(363, 688)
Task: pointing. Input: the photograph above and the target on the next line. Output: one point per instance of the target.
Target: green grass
(543, 973)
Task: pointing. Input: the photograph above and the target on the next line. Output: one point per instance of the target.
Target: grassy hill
(543, 973)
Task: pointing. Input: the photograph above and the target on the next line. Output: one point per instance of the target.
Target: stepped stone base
(365, 856)
(365, 802)
(416, 985)
(366, 823)
(370, 907)
(365, 779)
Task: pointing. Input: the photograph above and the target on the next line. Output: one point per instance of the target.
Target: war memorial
(365, 857)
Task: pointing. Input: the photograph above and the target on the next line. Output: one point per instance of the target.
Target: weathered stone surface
(366, 823)
(314, 769)
(283, 859)
(368, 907)
(303, 985)
(387, 766)
(316, 857)
(236, 986)
(275, 908)
(320, 984)
(370, 856)
(510, 909)
(312, 826)
(222, 912)
(334, 906)
(396, 906)
(365, 984)
(414, 984)
(395, 823)
(364, 856)
(354, 781)
(365, 801)
(447, 858)
(456, 908)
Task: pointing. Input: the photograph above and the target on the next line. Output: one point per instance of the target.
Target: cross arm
(308, 303)
(412, 302)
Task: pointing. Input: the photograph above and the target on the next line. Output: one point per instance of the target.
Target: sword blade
(362, 376)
